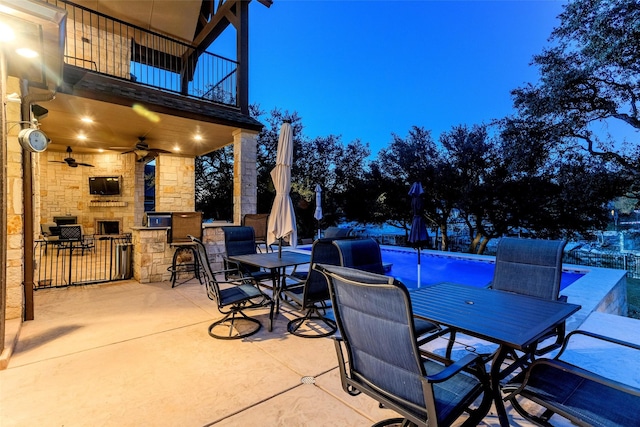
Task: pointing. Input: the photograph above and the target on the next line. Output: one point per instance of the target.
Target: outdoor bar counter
(152, 254)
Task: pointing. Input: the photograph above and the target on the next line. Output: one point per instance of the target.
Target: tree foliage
(589, 81)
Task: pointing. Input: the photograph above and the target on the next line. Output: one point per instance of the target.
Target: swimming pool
(444, 268)
(447, 268)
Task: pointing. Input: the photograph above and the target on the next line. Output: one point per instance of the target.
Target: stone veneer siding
(15, 214)
(152, 255)
(175, 184)
(65, 190)
(245, 175)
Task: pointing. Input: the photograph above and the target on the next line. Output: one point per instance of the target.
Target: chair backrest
(71, 232)
(374, 316)
(183, 225)
(50, 229)
(529, 266)
(316, 287)
(336, 232)
(259, 223)
(213, 289)
(362, 254)
(239, 240)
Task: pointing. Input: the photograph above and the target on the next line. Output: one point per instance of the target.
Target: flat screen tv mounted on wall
(104, 185)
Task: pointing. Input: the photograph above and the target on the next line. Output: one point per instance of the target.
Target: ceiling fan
(70, 161)
(143, 152)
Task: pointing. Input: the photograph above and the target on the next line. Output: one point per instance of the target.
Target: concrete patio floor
(131, 354)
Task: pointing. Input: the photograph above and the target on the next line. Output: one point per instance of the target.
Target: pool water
(444, 268)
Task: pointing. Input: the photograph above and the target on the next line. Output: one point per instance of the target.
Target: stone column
(175, 184)
(245, 175)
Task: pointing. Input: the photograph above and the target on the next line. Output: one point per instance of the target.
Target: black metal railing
(61, 263)
(622, 261)
(106, 45)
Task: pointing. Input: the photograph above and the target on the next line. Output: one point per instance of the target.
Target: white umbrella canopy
(318, 212)
(282, 220)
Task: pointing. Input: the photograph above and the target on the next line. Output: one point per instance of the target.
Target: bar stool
(185, 257)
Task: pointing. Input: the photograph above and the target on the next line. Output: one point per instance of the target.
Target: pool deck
(130, 354)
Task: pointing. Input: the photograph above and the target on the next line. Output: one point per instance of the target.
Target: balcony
(108, 46)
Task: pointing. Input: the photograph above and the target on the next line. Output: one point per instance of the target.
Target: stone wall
(152, 255)
(15, 212)
(175, 184)
(65, 190)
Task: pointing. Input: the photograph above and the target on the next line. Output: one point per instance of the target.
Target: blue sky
(367, 69)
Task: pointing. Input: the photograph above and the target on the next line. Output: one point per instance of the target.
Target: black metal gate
(89, 260)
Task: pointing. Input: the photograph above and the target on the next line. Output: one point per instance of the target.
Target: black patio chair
(378, 355)
(311, 294)
(337, 232)
(232, 299)
(529, 267)
(72, 237)
(576, 393)
(364, 254)
(241, 241)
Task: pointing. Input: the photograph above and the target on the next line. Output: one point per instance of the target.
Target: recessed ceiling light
(26, 52)
(87, 120)
(176, 148)
(82, 137)
(197, 137)
(6, 33)
(100, 150)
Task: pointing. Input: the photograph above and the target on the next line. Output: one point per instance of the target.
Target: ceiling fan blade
(128, 151)
(159, 150)
(57, 161)
(85, 164)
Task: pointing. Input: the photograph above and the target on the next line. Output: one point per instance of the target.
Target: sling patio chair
(311, 294)
(259, 224)
(72, 237)
(241, 241)
(337, 232)
(577, 393)
(185, 260)
(364, 254)
(378, 355)
(233, 298)
(530, 267)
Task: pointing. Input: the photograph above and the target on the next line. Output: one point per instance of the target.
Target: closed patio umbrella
(282, 221)
(318, 212)
(418, 234)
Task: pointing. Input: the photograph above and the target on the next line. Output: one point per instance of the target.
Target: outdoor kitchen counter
(152, 254)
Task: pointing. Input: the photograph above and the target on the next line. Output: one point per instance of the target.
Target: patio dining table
(513, 321)
(277, 264)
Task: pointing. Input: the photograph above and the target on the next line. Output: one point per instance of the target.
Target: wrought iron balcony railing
(115, 48)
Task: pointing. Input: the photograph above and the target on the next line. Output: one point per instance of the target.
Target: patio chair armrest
(460, 365)
(597, 337)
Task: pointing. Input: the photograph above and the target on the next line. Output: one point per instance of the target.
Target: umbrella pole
(418, 267)
(280, 247)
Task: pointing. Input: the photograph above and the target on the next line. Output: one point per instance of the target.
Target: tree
(589, 79)
(214, 184)
(403, 162)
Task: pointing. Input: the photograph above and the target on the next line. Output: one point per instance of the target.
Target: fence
(622, 261)
(91, 260)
